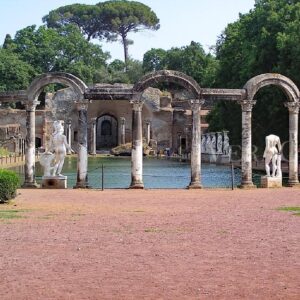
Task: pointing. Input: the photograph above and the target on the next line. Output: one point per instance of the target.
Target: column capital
(82, 104)
(93, 121)
(293, 107)
(137, 105)
(196, 103)
(247, 105)
(122, 119)
(31, 105)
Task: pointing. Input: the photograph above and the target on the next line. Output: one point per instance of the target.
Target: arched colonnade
(245, 97)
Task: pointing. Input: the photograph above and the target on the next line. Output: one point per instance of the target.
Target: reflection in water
(158, 173)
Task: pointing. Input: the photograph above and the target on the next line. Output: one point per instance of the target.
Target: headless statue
(273, 154)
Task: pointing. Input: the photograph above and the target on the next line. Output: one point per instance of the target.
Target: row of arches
(245, 98)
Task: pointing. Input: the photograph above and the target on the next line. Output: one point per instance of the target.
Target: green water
(158, 173)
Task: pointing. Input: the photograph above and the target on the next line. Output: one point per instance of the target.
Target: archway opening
(270, 116)
(107, 132)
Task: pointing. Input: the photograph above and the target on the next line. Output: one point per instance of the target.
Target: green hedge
(9, 182)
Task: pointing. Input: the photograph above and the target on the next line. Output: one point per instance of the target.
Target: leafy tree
(122, 17)
(134, 70)
(191, 60)
(264, 40)
(62, 49)
(119, 74)
(85, 17)
(154, 60)
(7, 42)
(15, 74)
(111, 20)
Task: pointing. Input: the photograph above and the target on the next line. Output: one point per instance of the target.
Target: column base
(30, 185)
(81, 185)
(194, 186)
(293, 183)
(247, 186)
(136, 185)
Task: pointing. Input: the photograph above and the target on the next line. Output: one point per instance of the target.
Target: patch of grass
(294, 209)
(12, 214)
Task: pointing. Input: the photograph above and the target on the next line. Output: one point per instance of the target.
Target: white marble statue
(208, 147)
(213, 143)
(273, 154)
(60, 146)
(46, 160)
(226, 146)
(219, 142)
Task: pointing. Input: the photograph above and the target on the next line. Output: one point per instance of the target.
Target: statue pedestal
(223, 159)
(54, 182)
(271, 182)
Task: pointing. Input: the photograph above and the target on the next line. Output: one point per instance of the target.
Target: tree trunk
(125, 46)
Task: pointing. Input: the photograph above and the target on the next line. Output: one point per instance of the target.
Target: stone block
(54, 182)
(223, 159)
(271, 182)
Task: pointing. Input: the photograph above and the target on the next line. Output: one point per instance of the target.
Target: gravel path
(151, 244)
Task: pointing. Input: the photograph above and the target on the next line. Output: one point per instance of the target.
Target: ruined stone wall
(167, 116)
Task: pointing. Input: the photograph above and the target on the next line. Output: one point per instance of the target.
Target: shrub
(3, 151)
(9, 182)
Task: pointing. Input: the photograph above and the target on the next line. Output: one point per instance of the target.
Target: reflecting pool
(158, 173)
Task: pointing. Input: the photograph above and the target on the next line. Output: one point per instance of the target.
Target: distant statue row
(215, 143)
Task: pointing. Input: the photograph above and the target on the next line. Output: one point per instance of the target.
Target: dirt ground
(152, 244)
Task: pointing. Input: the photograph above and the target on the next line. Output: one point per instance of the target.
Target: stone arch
(41, 81)
(254, 84)
(33, 93)
(292, 92)
(168, 76)
(190, 85)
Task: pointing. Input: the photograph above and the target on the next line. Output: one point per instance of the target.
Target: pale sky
(182, 21)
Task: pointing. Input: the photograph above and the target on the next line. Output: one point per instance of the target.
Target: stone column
(24, 146)
(93, 136)
(69, 134)
(187, 144)
(16, 146)
(44, 132)
(137, 146)
(30, 146)
(148, 131)
(293, 108)
(82, 154)
(196, 145)
(123, 133)
(247, 106)
(20, 145)
(179, 144)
